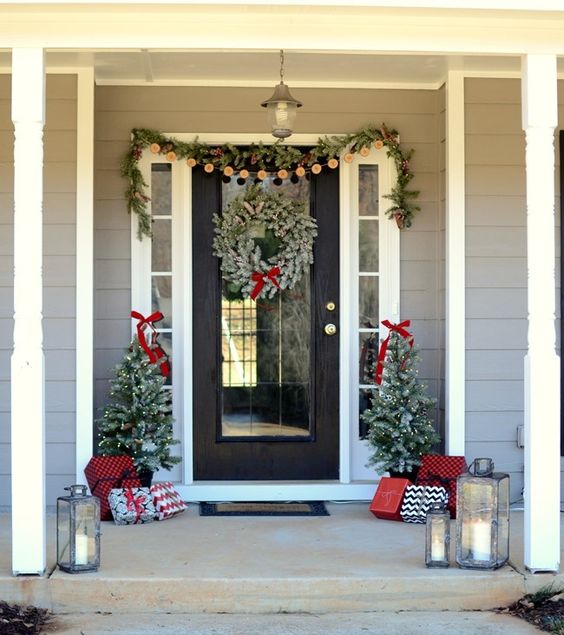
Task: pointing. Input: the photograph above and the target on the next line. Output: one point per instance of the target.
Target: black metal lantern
(482, 517)
(78, 531)
(281, 107)
(437, 536)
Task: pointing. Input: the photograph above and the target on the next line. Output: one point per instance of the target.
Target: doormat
(310, 508)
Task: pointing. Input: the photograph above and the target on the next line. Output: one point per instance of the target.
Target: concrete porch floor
(346, 562)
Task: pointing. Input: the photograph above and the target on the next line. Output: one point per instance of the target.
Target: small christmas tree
(138, 422)
(399, 428)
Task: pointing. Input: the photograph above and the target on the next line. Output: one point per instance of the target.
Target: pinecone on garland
(138, 420)
(400, 429)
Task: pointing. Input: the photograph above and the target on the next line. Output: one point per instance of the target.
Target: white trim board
(84, 270)
(215, 491)
(455, 287)
(243, 83)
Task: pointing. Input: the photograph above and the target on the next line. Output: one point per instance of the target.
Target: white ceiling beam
(271, 27)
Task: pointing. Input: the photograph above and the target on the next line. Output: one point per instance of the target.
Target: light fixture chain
(281, 66)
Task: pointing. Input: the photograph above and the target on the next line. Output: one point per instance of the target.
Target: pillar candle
(481, 539)
(81, 549)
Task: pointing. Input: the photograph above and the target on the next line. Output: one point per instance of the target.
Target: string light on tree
(138, 420)
(400, 429)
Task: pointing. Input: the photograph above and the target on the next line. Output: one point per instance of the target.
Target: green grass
(543, 594)
(556, 625)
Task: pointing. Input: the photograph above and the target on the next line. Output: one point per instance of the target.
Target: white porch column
(84, 270)
(542, 375)
(28, 374)
(455, 354)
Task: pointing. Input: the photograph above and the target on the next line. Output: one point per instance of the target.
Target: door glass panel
(368, 190)
(368, 302)
(161, 245)
(161, 189)
(368, 356)
(266, 353)
(161, 299)
(368, 245)
(368, 226)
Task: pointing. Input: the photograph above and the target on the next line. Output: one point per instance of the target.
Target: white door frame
(352, 450)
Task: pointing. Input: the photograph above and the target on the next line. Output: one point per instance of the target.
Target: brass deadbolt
(330, 306)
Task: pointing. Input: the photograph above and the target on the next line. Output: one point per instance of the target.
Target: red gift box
(441, 470)
(105, 473)
(388, 498)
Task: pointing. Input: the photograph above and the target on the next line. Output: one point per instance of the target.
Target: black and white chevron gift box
(418, 500)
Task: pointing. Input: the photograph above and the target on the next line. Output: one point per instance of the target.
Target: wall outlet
(520, 436)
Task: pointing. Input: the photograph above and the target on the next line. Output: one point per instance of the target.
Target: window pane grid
(161, 256)
(238, 325)
(368, 285)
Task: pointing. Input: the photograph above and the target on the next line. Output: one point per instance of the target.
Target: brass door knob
(330, 329)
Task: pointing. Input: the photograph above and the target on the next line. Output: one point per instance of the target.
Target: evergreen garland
(400, 430)
(138, 421)
(289, 233)
(260, 158)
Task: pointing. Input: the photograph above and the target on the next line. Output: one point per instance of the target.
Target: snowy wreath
(265, 242)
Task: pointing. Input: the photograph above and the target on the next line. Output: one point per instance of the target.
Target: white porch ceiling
(261, 68)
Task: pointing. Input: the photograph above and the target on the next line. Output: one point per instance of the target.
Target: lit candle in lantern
(81, 549)
(481, 540)
(438, 549)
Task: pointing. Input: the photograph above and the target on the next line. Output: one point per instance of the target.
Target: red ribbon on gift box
(134, 503)
(151, 347)
(262, 278)
(390, 497)
(400, 328)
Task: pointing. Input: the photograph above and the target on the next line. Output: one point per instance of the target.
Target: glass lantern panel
(63, 532)
(503, 521)
(281, 115)
(477, 502)
(85, 532)
(438, 539)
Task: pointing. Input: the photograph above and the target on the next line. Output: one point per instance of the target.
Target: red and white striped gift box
(167, 500)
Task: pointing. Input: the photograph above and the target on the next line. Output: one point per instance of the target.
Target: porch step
(285, 595)
(346, 562)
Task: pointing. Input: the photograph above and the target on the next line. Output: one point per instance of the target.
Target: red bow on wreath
(146, 327)
(134, 503)
(400, 328)
(262, 278)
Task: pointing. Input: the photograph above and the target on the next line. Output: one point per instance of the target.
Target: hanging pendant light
(281, 107)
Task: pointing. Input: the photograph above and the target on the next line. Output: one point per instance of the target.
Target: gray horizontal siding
(496, 278)
(59, 267)
(496, 270)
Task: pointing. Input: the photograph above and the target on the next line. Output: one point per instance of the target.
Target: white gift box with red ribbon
(167, 500)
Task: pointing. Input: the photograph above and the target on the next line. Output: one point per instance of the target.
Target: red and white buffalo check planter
(167, 500)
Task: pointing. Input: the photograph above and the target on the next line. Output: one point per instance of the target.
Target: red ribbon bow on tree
(153, 350)
(400, 328)
(261, 279)
(134, 503)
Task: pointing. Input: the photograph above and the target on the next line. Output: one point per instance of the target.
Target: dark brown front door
(266, 374)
